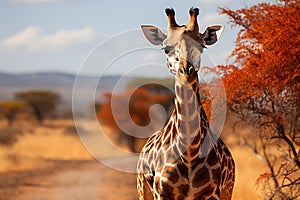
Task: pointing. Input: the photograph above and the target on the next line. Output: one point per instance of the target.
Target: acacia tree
(10, 109)
(263, 88)
(41, 102)
(139, 104)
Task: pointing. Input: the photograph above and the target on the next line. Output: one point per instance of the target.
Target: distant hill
(61, 83)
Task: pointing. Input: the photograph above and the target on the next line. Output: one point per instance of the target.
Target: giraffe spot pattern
(194, 151)
(183, 170)
(182, 127)
(213, 158)
(193, 124)
(192, 107)
(196, 141)
(216, 173)
(171, 174)
(184, 190)
(206, 192)
(189, 94)
(196, 163)
(201, 177)
(168, 191)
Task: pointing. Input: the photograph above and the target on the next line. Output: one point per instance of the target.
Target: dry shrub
(8, 136)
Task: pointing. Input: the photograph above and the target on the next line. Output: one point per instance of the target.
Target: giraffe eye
(167, 49)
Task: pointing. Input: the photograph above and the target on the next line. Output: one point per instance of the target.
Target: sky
(63, 35)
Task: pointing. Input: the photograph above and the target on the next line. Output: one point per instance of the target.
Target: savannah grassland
(55, 143)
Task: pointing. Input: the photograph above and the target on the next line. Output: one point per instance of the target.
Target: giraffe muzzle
(187, 70)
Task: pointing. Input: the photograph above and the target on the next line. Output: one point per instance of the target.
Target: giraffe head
(183, 44)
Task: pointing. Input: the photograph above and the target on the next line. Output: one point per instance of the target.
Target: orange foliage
(263, 88)
(139, 105)
(266, 71)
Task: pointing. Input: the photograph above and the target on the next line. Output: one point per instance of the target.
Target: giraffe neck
(191, 120)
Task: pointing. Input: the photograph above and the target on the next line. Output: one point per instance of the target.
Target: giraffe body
(185, 160)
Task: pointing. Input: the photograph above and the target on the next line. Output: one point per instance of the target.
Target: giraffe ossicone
(185, 160)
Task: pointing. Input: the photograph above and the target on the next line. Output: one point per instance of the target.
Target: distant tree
(263, 88)
(139, 105)
(10, 109)
(41, 102)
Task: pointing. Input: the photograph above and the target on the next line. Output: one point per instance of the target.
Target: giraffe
(185, 160)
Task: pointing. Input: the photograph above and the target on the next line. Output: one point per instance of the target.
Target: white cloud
(35, 39)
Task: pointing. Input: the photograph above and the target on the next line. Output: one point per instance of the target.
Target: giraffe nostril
(191, 70)
(181, 70)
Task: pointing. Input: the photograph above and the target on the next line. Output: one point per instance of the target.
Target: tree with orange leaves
(138, 102)
(263, 88)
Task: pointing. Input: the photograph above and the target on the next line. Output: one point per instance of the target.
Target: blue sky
(58, 35)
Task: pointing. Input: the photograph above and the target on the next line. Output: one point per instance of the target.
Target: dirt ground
(90, 180)
(70, 180)
(49, 162)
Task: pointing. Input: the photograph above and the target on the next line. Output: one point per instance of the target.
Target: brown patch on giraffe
(184, 110)
(218, 191)
(216, 173)
(189, 94)
(201, 177)
(198, 96)
(206, 192)
(196, 162)
(173, 155)
(193, 124)
(182, 91)
(159, 144)
(167, 191)
(192, 106)
(184, 172)
(182, 127)
(171, 174)
(196, 141)
(212, 158)
(184, 142)
(194, 151)
(227, 152)
(150, 146)
(184, 190)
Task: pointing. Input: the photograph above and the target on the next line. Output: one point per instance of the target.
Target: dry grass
(248, 165)
(39, 143)
(248, 168)
(58, 140)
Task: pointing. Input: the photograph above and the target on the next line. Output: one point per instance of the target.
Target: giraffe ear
(212, 34)
(153, 34)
